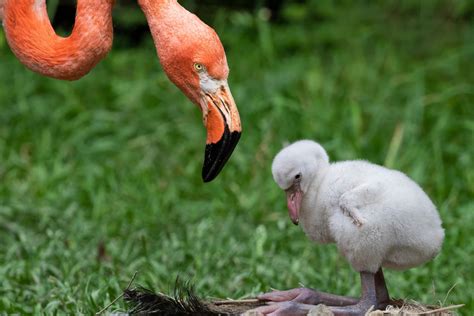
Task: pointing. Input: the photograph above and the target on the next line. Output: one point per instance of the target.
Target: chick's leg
(381, 290)
(300, 301)
(308, 296)
(374, 294)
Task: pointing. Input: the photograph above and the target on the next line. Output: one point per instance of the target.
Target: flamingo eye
(198, 67)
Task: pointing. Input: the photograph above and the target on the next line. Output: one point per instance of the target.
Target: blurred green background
(100, 178)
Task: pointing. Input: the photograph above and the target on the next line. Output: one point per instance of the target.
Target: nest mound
(184, 301)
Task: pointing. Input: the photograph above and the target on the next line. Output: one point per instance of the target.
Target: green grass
(115, 159)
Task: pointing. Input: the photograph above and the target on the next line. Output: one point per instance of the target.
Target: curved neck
(35, 43)
(161, 16)
(154, 7)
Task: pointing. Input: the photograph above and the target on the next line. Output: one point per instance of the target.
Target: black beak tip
(217, 154)
(208, 177)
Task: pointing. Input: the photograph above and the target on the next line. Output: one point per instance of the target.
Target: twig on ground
(244, 301)
(441, 309)
(449, 292)
(118, 297)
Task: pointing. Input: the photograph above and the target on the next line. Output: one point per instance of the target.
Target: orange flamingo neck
(163, 17)
(35, 43)
(178, 35)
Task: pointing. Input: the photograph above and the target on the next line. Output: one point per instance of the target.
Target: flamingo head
(193, 58)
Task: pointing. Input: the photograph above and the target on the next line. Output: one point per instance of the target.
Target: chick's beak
(222, 121)
(293, 199)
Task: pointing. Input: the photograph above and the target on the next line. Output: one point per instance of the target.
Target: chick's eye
(198, 66)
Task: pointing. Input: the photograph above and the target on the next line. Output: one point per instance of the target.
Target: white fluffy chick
(377, 217)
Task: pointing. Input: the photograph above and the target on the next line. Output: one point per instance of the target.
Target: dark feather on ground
(183, 302)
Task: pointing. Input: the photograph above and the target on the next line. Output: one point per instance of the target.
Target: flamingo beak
(294, 197)
(222, 121)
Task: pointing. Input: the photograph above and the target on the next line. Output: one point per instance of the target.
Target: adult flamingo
(190, 52)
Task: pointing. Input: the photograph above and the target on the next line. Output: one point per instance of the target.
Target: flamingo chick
(376, 216)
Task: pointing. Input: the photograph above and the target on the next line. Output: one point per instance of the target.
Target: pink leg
(300, 301)
(368, 299)
(308, 296)
(381, 289)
